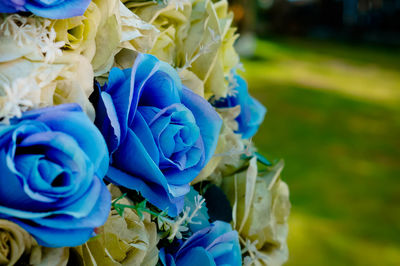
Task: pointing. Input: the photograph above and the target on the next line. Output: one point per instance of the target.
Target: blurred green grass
(334, 116)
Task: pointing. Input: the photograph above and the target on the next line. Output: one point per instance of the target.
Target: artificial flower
(107, 37)
(35, 73)
(14, 242)
(260, 213)
(55, 9)
(52, 175)
(28, 85)
(208, 44)
(137, 34)
(229, 151)
(252, 112)
(196, 38)
(79, 33)
(171, 20)
(160, 134)
(28, 37)
(18, 247)
(123, 240)
(101, 32)
(213, 245)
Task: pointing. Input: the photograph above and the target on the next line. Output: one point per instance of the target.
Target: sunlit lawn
(334, 116)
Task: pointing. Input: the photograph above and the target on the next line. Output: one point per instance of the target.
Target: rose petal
(207, 120)
(131, 153)
(148, 65)
(107, 122)
(159, 91)
(59, 10)
(92, 142)
(143, 132)
(197, 256)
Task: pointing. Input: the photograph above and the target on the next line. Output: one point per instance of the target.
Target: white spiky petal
(16, 98)
(180, 224)
(32, 31)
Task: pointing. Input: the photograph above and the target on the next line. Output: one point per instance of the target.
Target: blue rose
(52, 162)
(212, 246)
(252, 112)
(55, 9)
(159, 134)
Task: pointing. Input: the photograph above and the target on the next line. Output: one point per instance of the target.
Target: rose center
(176, 134)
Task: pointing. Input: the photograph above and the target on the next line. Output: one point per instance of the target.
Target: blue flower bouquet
(125, 138)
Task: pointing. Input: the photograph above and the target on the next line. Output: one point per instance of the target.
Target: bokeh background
(329, 73)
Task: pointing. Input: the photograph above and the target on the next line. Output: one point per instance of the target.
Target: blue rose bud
(212, 246)
(52, 162)
(159, 134)
(54, 9)
(252, 112)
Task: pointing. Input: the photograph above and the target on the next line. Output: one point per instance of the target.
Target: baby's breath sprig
(27, 31)
(253, 254)
(173, 227)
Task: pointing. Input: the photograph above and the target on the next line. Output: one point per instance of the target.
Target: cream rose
(17, 245)
(260, 212)
(196, 37)
(35, 73)
(126, 240)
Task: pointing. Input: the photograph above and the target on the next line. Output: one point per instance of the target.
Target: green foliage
(139, 208)
(334, 116)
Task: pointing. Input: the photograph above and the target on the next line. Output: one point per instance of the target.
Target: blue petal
(64, 150)
(148, 112)
(194, 156)
(143, 69)
(227, 251)
(219, 228)
(40, 174)
(207, 119)
(171, 72)
(222, 244)
(197, 239)
(197, 256)
(252, 117)
(76, 209)
(143, 132)
(33, 114)
(64, 9)
(54, 237)
(7, 8)
(11, 190)
(88, 136)
(62, 230)
(116, 78)
(166, 139)
(252, 112)
(159, 91)
(178, 177)
(107, 121)
(142, 174)
(166, 259)
(133, 158)
(121, 92)
(90, 211)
